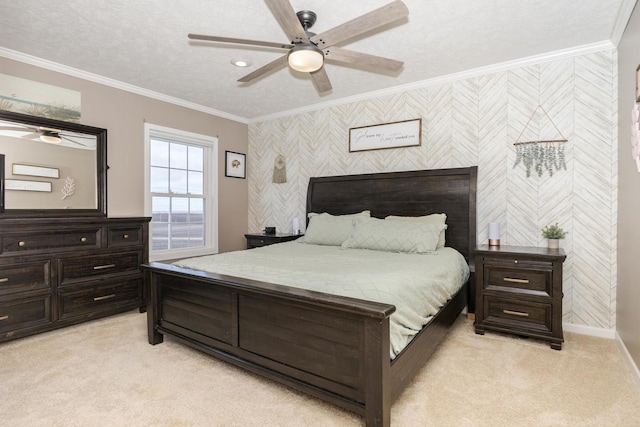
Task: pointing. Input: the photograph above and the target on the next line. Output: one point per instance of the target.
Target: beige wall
(123, 114)
(628, 321)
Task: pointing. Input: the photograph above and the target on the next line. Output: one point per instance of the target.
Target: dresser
(56, 272)
(258, 240)
(519, 291)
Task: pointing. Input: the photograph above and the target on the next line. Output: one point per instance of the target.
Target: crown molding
(477, 72)
(500, 67)
(53, 66)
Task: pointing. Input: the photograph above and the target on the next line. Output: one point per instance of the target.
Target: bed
(333, 347)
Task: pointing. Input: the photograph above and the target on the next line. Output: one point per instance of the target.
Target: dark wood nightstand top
(520, 250)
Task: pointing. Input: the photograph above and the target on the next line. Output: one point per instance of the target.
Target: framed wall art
(235, 164)
(42, 171)
(1, 183)
(638, 84)
(20, 185)
(406, 133)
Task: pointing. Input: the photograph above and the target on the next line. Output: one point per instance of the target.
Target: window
(181, 192)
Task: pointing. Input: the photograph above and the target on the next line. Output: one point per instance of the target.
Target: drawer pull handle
(83, 239)
(516, 313)
(22, 244)
(4, 279)
(4, 317)
(103, 267)
(509, 279)
(126, 236)
(104, 297)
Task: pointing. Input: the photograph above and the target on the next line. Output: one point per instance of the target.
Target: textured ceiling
(144, 43)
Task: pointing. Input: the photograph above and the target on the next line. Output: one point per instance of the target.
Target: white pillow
(394, 236)
(433, 218)
(330, 230)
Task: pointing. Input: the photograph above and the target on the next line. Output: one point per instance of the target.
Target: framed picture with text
(235, 164)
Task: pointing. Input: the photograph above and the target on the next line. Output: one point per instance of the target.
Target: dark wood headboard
(414, 193)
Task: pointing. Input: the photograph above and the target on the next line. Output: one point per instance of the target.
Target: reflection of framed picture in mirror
(235, 164)
(42, 171)
(638, 84)
(1, 183)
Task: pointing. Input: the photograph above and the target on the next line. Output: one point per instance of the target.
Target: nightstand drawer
(256, 242)
(537, 281)
(518, 314)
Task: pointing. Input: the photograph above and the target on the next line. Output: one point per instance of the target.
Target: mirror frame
(101, 168)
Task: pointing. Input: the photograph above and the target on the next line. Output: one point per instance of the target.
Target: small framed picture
(638, 84)
(235, 165)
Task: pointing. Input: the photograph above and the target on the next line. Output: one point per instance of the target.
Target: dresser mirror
(52, 168)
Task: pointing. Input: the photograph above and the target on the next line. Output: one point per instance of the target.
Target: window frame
(210, 190)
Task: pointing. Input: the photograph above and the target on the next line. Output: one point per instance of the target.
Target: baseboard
(589, 330)
(627, 356)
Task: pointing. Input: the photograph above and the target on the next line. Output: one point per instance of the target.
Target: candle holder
(494, 234)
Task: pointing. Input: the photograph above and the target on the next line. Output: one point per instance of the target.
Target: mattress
(418, 285)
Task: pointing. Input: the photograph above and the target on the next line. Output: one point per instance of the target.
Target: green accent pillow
(394, 236)
(330, 230)
(433, 218)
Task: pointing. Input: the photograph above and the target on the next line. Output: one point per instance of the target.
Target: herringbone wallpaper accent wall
(475, 121)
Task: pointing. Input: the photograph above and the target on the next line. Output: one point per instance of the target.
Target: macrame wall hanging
(541, 155)
(279, 170)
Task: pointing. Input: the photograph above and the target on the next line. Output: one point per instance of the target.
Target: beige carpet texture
(104, 373)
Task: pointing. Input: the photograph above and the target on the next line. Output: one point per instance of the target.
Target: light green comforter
(417, 284)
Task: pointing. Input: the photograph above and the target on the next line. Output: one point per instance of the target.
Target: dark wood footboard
(332, 347)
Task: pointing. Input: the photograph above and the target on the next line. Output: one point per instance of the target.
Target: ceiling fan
(49, 135)
(307, 51)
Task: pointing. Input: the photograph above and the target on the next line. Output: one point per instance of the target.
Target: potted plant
(554, 233)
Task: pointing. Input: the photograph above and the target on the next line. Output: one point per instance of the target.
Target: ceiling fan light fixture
(305, 58)
(240, 63)
(50, 137)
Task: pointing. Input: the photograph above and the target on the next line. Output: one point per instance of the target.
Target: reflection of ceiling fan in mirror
(48, 135)
(308, 51)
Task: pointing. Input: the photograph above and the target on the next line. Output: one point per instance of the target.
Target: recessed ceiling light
(240, 62)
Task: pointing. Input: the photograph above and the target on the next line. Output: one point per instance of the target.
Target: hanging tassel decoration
(279, 170)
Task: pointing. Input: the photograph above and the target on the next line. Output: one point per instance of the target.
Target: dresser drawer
(86, 298)
(124, 236)
(514, 315)
(25, 276)
(50, 240)
(25, 310)
(71, 270)
(532, 280)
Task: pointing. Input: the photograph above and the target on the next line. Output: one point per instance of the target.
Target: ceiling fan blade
(320, 80)
(72, 141)
(239, 41)
(360, 25)
(338, 54)
(32, 135)
(288, 20)
(19, 128)
(273, 65)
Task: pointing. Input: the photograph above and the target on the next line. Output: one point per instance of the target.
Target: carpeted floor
(103, 373)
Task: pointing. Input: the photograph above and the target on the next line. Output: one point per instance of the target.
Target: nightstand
(519, 291)
(261, 239)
